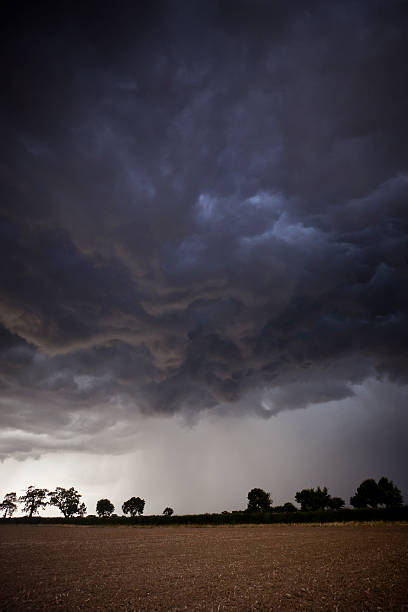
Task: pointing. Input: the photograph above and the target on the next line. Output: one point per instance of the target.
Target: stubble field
(274, 567)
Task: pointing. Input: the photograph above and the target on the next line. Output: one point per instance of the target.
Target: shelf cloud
(204, 208)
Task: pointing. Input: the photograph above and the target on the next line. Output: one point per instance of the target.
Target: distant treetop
(133, 506)
(67, 501)
(370, 493)
(259, 500)
(33, 500)
(104, 507)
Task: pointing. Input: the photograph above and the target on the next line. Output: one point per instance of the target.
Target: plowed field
(329, 567)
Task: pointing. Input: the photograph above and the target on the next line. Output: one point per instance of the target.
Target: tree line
(68, 501)
(369, 494)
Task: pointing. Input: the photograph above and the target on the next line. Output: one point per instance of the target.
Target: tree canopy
(134, 506)
(370, 493)
(317, 499)
(104, 507)
(367, 494)
(9, 504)
(168, 511)
(289, 507)
(259, 500)
(33, 500)
(390, 494)
(67, 501)
(336, 503)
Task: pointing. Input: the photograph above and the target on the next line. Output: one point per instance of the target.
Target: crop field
(274, 567)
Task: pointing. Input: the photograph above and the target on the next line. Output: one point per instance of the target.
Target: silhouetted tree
(67, 501)
(289, 507)
(133, 506)
(373, 494)
(390, 495)
(313, 499)
(9, 504)
(168, 511)
(367, 494)
(259, 500)
(336, 503)
(104, 507)
(33, 500)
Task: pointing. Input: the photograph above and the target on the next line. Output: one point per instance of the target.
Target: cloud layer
(204, 207)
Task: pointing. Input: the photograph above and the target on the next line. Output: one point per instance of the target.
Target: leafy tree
(371, 493)
(134, 506)
(168, 511)
(33, 500)
(259, 501)
(9, 504)
(289, 507)
(104, 507)
(313, 499)
(390, 494)
(67, 501)
(336, 503)
(367, 494)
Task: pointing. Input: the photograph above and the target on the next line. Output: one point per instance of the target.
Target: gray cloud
(204, 206)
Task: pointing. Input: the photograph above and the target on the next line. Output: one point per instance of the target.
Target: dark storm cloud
(203, 202)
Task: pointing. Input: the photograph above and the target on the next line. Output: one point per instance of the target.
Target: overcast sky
(203, 237)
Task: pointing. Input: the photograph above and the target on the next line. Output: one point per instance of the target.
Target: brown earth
(274, 567)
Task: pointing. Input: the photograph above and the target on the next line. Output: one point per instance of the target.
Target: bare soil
(274, 567)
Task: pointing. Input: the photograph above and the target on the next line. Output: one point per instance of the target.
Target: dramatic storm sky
(203, 235)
